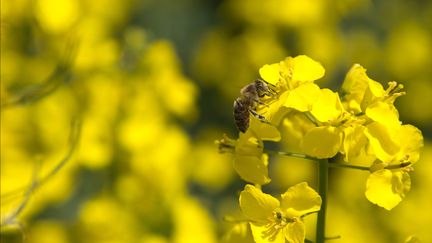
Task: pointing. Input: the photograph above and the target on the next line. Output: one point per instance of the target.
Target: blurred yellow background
(144, 88)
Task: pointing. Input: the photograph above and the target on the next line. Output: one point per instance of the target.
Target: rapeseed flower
(273, 220)
(249, 160)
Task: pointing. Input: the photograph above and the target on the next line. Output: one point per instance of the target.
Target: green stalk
(323, 186)
(290, 154)
(348, 166)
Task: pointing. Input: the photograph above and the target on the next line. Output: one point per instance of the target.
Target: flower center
(276, 223)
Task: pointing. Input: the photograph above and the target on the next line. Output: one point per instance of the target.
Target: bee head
(262, 88)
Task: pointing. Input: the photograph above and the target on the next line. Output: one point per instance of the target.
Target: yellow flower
(380, 129)
(395, 146)
(249, 160)
(385, 187)
(293, 80)
(272, 220)
(364, 95)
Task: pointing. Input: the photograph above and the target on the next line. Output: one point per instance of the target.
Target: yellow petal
(327, 107)
(387, 189)
(303, 97)
(381, 141)
(354, 85)
(249, 144)
(277, 111)
(356, 81)
(295, 232)
(256, 205)
(264, 234)
(299, 200)
(376, 89)
(263, 130)
(252, 169)
(295, 126)
(410, 139)
(270, 73)
(373, 93)
(322, 142)
(384, 113)
(306, 69)
(355, 144)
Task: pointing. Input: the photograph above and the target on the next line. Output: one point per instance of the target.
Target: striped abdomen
(241, 114)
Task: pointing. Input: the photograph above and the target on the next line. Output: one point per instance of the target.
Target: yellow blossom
(364, 95)
(387, 188)
(274, 220)
(290, 75)
(249, 160)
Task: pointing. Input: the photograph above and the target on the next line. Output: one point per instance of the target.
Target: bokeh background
(110, 110)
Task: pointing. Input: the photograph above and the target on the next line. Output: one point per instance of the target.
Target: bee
(248, 101)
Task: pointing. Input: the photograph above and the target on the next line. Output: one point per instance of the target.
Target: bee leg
(258, 116)
(269, 94)
(272, 89)
(270, 102)
(260, 102)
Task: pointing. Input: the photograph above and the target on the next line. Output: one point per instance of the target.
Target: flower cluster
(359, 128)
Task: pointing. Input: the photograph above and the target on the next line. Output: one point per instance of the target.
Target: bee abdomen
(241, 114)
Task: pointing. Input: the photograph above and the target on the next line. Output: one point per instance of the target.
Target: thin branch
(74, 135)
(357, 167)
(49, 85)
(11, 218)
(347, 166)
(290, 154)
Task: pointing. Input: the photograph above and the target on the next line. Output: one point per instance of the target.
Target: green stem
(323, 186)
(340, 165)
(290, 154)
(334, 164)
(357, 167)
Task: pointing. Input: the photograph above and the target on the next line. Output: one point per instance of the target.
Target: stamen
(391, 87)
